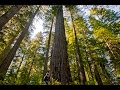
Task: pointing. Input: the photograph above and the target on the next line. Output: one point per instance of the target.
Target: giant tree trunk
(9, 14)
(7, 60)
(48, 48)
(60, 69)
(78, 56)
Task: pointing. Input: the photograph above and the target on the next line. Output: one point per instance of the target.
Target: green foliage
(98, 40)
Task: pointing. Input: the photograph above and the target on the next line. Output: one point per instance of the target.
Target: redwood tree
(60, 69)
(79, 61)
(9, 57)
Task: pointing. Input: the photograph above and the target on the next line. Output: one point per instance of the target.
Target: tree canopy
(76, 44)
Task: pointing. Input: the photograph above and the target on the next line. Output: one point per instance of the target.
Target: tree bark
(9, 14)
(60, 68)
(48, 48)
(7, 60)
(78, 55)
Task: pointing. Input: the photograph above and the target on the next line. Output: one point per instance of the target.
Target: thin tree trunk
(9, 14)
(96, 72)
(97, 75)
(6, 50)
(75, 64)
(60, 68)
(78, 69)
(31, 66)
(79, 58)
(19, 66)
(87, 53)
(106, 74)
(7, 60)
(89, 65)
(30, 69)
(48, 48)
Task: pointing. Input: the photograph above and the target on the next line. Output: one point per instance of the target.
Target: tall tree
(48, 48)
(7, 59)
(108, 39)
(60, 69)
(9, 14)
(80, 65)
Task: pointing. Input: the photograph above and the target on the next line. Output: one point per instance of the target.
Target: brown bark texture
(59, 59)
